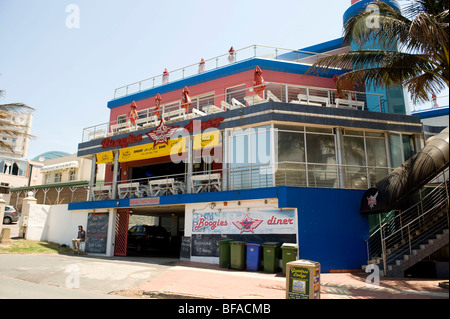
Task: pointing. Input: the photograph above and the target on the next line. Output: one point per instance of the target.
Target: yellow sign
(105, 157)
(207, 139)
(147, 151)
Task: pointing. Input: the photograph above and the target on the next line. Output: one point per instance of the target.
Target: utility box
(303, 279)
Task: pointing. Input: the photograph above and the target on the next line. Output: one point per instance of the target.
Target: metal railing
(251, 51)
(406, 230)
(313, 175)
(213, 104)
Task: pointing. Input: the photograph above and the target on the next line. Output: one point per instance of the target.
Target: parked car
(141, 237)
(11, 215)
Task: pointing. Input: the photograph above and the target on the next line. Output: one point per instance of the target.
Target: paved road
(60, 276)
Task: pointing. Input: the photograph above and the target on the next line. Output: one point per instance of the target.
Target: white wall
(54, 223)
(57, 224)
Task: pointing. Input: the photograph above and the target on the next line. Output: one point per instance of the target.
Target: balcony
(235, 99)
(243, 178)
(253, 51)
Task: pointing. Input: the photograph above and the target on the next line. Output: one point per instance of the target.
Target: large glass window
(396, 148)
(376, 159)
(291, 170)
(321, 158)
(354, 157)
(250, 157)
(308, 157)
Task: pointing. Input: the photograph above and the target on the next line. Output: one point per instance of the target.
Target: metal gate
(120, 246)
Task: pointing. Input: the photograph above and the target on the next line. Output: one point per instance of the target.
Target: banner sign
(105, 157)
(147, 151)
(207, 140)
(241, 222)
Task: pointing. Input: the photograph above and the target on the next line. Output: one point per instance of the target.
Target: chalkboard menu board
(97, 233)
(205, 245)
(185, 251)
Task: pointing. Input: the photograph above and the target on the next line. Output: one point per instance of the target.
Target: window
(57, 177)
(121, 119)
(354, 158)
(72, 174)
(236, 92)
(250, 158)
(204, 100)
(321, 152)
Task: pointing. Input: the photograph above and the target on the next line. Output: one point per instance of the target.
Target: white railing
(211, 104)
(252, 51)
(313, 175)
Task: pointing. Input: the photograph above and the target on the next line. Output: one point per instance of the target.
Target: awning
(59, 167)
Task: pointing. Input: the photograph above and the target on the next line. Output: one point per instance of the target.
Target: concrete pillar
(26, 206)
(2, 211)
(116, 171)
(93, 178)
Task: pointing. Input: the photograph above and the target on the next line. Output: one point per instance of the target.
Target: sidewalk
(197, 280)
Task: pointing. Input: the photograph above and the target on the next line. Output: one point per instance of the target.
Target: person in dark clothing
(80, 238)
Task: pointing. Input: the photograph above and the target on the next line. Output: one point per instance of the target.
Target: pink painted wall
(219, 86)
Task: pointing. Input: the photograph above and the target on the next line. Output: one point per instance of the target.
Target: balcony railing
(244, 177)
(252, 51)
(211, 104)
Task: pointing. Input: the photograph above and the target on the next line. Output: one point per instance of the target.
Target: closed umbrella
(165, 77)
(186, 101)
(259, 82)
(201, 66)
(157, 109)
(231, 55)
(133, 113)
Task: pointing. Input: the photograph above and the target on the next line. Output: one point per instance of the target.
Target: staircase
(411, 235)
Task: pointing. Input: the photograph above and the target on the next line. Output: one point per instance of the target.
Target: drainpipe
(116, 171)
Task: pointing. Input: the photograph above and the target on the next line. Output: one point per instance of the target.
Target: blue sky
(69, 74)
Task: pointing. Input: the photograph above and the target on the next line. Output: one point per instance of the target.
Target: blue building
(247, 146)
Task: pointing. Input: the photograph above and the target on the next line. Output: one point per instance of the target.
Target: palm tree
(421, 63)
(6, 126)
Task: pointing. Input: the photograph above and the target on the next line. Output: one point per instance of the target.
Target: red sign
(162, 133)
(144, 201)
(204, 124)
(122, 142)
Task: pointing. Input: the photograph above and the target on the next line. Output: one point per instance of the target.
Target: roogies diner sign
(239, 222)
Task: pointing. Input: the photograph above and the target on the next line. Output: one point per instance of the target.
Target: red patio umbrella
(157, 109)
(133, 113)
(259, 82)
(186, 101)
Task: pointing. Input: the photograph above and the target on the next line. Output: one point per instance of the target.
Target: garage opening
(155, 231)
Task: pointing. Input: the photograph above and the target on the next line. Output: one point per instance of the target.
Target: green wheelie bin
(271, 256)
(224, 253)
(289, 253)
(237, 252)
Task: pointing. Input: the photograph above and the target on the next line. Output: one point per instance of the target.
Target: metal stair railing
(412, 227)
